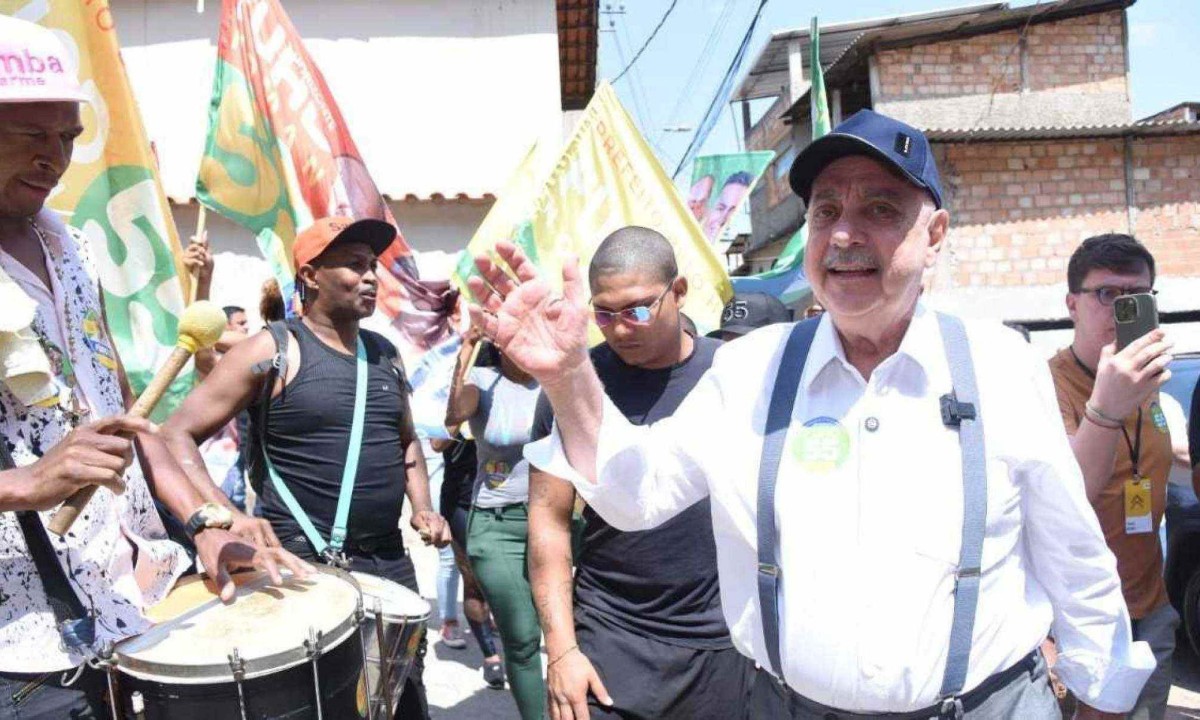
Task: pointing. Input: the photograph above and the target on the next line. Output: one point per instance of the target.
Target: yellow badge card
(1137, 506)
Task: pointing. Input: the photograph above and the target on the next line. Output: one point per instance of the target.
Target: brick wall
(972, 65)
(1166, 188)
(1086, 54)
(1019, 209)
(1070, 72)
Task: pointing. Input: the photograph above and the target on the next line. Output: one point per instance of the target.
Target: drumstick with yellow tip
(200, 327)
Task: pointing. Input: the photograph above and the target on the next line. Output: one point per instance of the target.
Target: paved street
(452, 677)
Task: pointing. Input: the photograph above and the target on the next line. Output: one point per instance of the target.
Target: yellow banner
(112, 193)
(605, 178)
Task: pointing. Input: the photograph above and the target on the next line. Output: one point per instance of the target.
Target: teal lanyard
(337, 539)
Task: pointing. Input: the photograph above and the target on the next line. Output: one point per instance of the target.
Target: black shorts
(652, 680)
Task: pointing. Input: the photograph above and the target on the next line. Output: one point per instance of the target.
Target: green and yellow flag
(605, 178)
(785, 280)
(112, 193)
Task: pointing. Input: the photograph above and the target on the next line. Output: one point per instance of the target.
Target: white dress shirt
(869, 511)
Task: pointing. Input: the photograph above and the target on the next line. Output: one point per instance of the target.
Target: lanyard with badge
(1138, 518)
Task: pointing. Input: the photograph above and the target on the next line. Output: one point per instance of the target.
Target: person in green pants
(498, 400)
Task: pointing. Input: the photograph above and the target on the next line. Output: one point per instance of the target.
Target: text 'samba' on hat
(324, 233)
(35, 66)
(868, 133)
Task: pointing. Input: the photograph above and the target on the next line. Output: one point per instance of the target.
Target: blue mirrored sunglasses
(639, 315)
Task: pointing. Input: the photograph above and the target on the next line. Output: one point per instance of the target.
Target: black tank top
(308, 431)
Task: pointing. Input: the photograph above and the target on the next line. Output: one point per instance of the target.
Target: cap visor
(736, 329)
(375, 234)
(813, 159)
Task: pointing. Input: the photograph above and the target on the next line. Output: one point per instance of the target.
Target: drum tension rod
(238, 666)
(313, 646)
(385, 659)
(103, 661)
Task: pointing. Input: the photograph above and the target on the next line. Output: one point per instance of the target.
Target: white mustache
(856, 258)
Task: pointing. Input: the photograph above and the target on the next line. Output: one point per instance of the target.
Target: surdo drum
(394, 628)
(278, 651)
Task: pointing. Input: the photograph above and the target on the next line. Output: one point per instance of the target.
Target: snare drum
(395, 622)
(290, 651)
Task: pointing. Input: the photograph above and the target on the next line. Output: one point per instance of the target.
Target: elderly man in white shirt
(930, 525)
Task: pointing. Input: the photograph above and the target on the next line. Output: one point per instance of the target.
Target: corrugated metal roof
(1143, 128)
(770, 70)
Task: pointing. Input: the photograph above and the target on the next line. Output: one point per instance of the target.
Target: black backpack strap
(270, 370)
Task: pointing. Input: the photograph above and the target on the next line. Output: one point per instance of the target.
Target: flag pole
(201, 221)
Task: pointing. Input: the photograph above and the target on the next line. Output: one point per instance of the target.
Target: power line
(638, 88)
(646, 44)
(723, 90)
(700, 67)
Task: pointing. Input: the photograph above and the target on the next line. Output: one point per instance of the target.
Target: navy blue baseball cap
(866, 132)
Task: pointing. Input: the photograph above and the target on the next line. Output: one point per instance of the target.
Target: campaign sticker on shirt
(93, 335)
(495, 473)
(1158, 417)
(822, 445)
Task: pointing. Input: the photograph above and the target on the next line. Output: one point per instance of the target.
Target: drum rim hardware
(253, 668)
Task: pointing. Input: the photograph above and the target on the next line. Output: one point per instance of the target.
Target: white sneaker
(452, 636)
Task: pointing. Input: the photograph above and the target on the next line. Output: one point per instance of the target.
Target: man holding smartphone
(1109, 400)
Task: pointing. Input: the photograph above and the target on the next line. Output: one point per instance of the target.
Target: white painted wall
(441, 97)
(436, 230)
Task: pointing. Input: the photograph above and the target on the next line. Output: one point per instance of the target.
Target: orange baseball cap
(318, 237)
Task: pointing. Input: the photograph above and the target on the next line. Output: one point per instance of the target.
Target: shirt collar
(921, 348)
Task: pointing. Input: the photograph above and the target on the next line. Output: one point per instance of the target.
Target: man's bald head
(634, 250)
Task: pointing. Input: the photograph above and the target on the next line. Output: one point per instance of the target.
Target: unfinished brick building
(1029, 114)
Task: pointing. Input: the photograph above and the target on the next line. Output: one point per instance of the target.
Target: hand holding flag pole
(200, 327)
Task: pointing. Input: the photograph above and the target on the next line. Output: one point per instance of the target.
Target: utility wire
(723, 90)
(700, 67)
(646, 44)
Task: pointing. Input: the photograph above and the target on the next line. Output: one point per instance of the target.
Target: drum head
(267, 625)
(398, 601)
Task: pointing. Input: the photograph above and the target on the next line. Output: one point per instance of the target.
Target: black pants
(43, 696)
(1021, 692)
(390, 563)
(652, 680)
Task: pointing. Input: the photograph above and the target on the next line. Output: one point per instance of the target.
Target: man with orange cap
(331, 480)
(63, 600)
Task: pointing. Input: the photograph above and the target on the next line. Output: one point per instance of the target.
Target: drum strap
(349, 471)
(75, 624)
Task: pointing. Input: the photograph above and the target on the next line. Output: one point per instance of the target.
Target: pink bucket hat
(34, 65)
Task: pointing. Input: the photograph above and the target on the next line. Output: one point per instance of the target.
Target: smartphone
(1136, 315)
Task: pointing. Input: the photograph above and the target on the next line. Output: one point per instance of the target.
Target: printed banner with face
(721, 185)
(112, 193)
(606, 177)
(279, 156)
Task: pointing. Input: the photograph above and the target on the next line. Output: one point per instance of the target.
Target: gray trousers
(1027, 697)
(1157, 629)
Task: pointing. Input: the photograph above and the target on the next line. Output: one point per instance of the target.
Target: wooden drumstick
(200, 327)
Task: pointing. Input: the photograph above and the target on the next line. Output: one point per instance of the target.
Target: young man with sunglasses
(638, 633)
(1109, 404)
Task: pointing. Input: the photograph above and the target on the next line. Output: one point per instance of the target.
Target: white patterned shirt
(869, 514)
(116, 555)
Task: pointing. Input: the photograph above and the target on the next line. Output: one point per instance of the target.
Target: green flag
(785, 279)
(793, 252)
